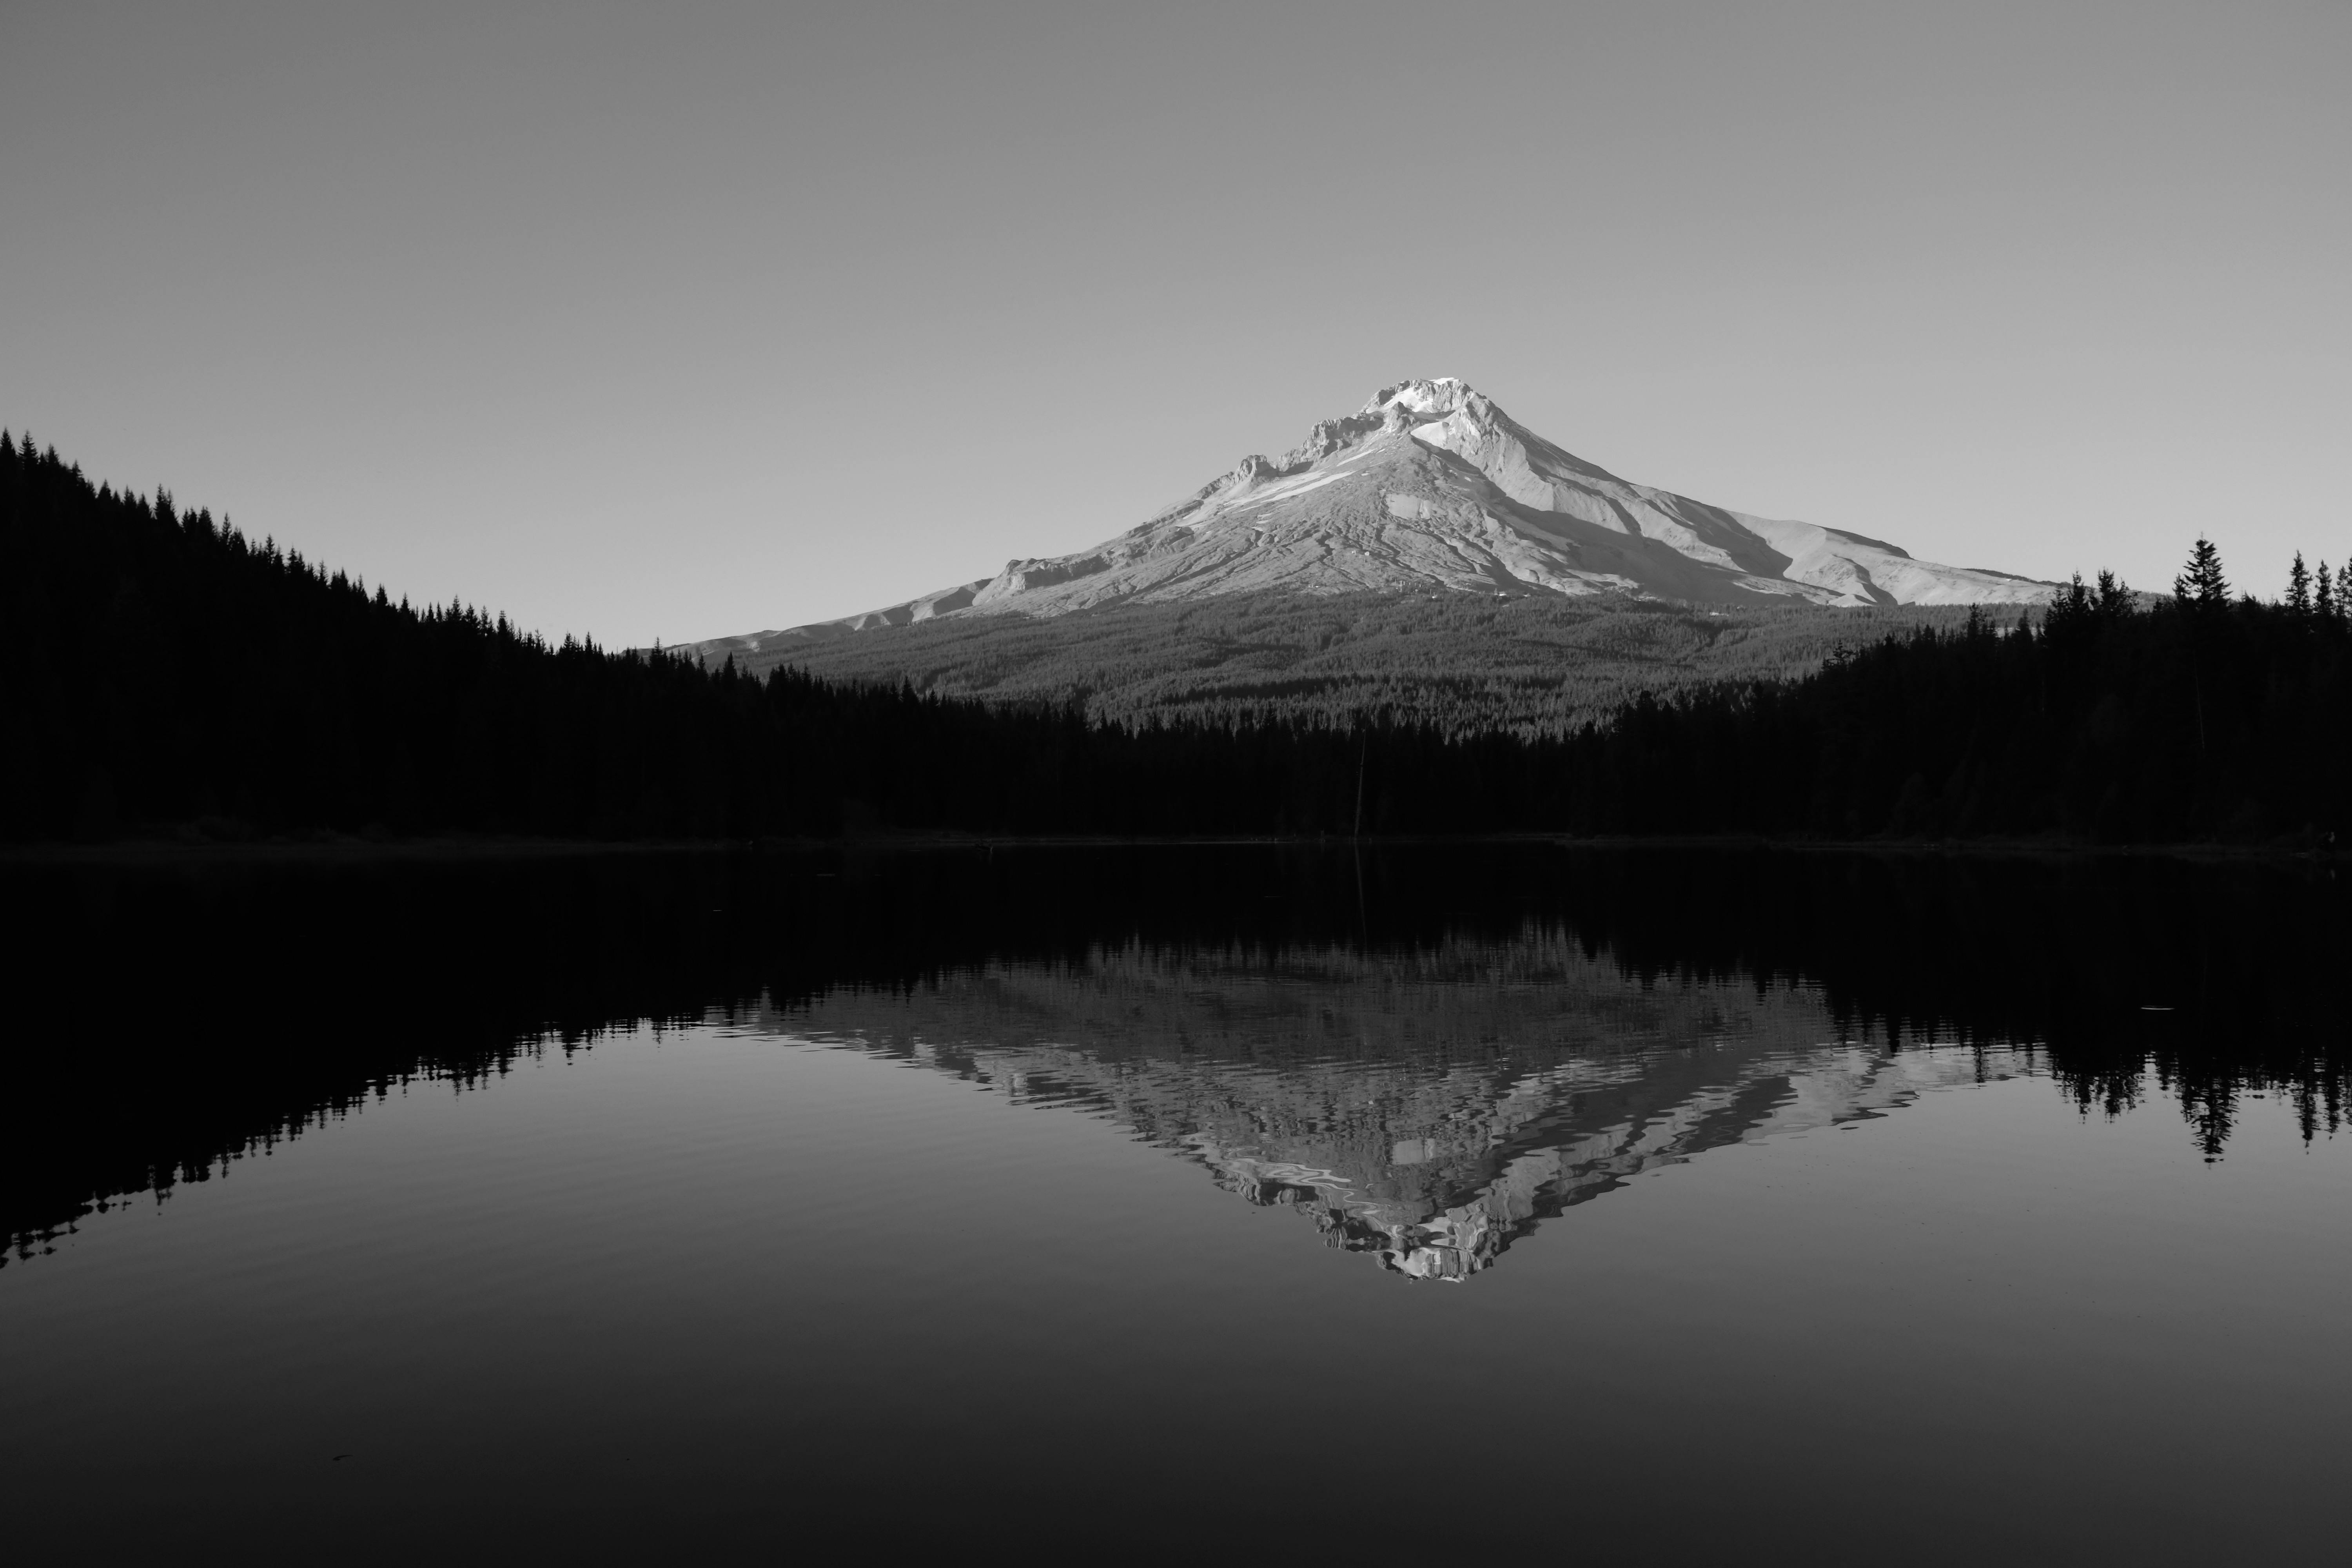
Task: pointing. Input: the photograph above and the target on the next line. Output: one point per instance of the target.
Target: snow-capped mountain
(1430, 484)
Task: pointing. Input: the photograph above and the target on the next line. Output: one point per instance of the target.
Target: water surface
(1181, 1202)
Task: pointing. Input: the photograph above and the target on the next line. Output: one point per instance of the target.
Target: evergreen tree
(2071, 606)
(2322, 595)
(2298, 587)
(2202, 583)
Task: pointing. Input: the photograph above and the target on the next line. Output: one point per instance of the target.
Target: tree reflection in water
(1430, 1049)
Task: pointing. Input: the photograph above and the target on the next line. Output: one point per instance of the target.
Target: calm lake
(1195, 1202)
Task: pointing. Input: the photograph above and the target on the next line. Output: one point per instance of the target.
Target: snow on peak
(1440, 395)
(1419, 406)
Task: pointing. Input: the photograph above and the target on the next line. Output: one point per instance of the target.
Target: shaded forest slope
(1527, 664)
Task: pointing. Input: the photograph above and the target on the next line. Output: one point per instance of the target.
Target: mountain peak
(1435, 394)
(1431, 485)
(1406, 406)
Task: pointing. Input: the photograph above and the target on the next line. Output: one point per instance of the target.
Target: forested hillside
(165, 673)
(2199, 717)
(1531, 664)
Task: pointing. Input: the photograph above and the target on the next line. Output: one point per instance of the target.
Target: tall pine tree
(2202, 583)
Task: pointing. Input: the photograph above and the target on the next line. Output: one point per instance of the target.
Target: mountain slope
(1430, 484)
(1529, 664)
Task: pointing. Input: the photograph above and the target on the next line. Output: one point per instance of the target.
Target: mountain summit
(1431, 485)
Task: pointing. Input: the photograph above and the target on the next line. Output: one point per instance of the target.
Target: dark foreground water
(1188, 1203)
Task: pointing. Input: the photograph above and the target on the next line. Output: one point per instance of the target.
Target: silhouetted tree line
(2113, 718)
(167, 671)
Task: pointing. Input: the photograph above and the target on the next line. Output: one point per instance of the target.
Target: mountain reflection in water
(684, 1207)
(1430, 1051)
(1429, 1108)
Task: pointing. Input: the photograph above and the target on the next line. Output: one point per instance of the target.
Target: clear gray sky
(686, 320)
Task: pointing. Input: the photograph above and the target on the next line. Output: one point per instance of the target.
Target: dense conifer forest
(1536, 664)
(2201, 717)
(167, 675)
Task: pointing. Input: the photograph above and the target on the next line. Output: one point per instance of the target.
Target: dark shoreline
(348, 851)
